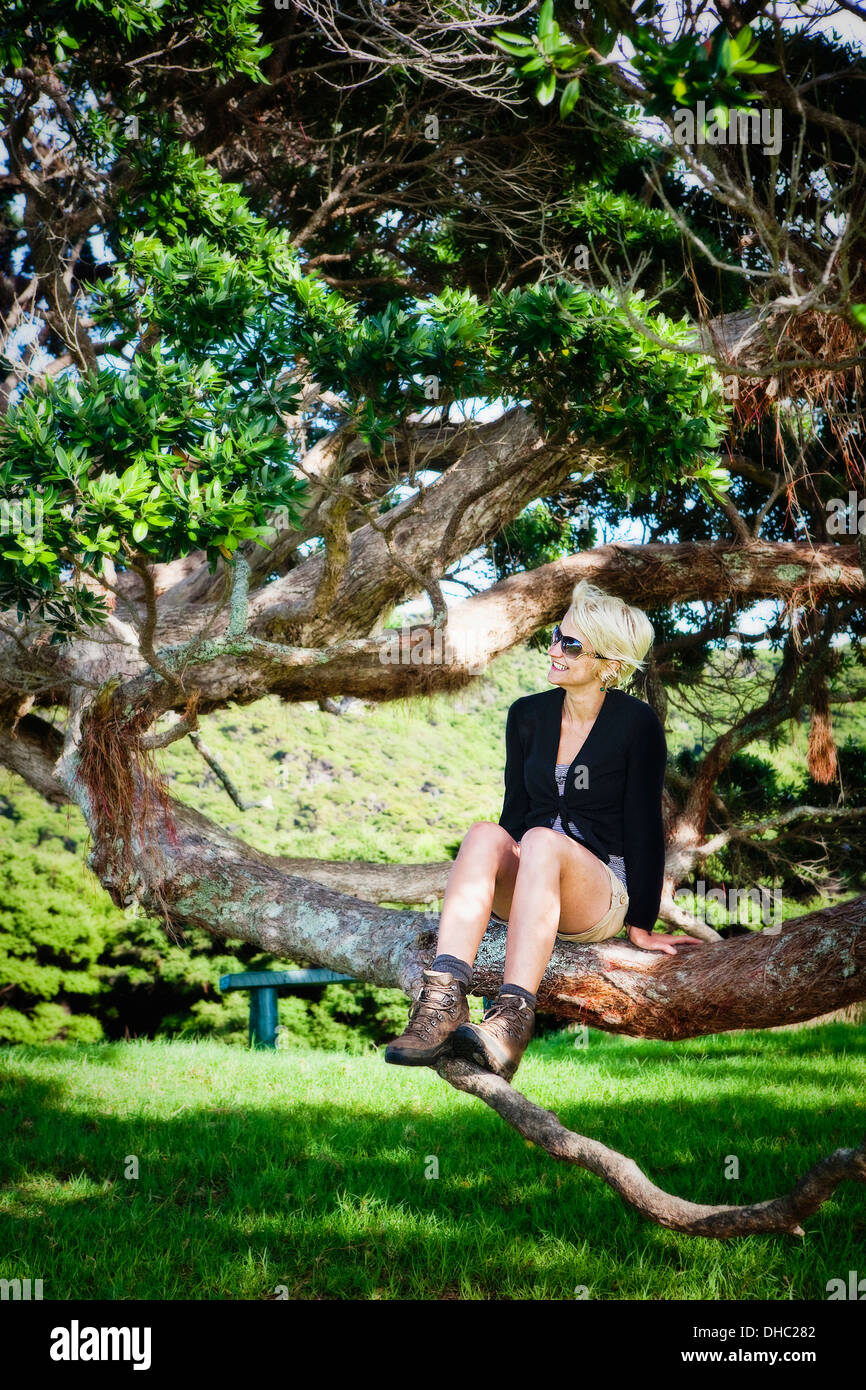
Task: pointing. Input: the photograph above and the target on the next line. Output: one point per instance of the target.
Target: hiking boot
(499, 1041)
(439, 1008)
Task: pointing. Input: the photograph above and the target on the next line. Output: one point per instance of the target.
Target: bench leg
(263, 1017)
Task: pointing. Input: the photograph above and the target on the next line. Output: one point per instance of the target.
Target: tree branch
(782, 1215)
(750, 829)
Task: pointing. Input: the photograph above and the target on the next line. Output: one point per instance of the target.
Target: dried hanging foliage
(128, 795)
(819, 337)
(821, 757)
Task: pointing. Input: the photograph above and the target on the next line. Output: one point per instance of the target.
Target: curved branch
(481, 628)
(222, 776)
(542, 1127)
(31, 751)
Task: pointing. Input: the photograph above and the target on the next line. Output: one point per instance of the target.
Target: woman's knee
(488, 838)
(540, 840)
(486, 832)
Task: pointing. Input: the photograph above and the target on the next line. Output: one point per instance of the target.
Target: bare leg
(481, 880)
(561, 886)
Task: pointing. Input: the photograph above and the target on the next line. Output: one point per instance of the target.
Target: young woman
(578, 853)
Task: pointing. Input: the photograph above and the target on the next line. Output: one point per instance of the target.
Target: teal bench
(264, 986)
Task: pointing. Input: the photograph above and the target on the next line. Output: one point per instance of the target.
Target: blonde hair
(613, 627)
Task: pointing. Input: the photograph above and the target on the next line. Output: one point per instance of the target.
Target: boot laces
(506, 1017)
(428, 1009)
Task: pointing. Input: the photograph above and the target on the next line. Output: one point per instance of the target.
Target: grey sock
(518, 989)
(454, 966)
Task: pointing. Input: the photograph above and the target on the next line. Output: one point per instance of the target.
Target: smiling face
(577, 672)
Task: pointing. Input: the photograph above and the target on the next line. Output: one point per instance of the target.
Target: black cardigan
(616, 803)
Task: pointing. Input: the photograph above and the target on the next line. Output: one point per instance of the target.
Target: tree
(223, 466)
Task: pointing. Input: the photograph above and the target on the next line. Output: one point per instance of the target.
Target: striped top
(617, 863)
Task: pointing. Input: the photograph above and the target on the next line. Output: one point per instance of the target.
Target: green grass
(307, 1169)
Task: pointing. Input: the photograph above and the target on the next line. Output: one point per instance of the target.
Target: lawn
(314, 1171)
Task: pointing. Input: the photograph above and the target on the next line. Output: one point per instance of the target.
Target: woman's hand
(658, 941)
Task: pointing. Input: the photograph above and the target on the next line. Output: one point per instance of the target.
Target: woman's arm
(645, 839)
(643, 829)
(516, 804)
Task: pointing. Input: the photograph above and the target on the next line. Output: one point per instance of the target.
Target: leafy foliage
(675, 74)
(536, 537)
(224, 31)
(542, 56)
(181, 447)
(689, 70)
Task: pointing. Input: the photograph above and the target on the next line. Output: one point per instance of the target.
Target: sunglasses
(572, 646)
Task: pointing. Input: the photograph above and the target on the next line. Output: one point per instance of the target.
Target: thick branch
(490, 623)
(481, 628)
(31, 752)
(205, 877)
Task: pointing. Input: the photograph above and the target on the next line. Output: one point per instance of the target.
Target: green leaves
(546, 89)
(688, 71)
(548, 29)
(184, 449)
(712, 480)
(169, 457)
(225, 32)
(735, 53)
(546, 53)
(183, 445)
(568, 100)
(676, 75)
(516, 44)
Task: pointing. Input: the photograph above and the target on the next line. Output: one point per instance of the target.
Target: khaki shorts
(611, 923)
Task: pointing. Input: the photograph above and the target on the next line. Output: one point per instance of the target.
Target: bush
(75, 967)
